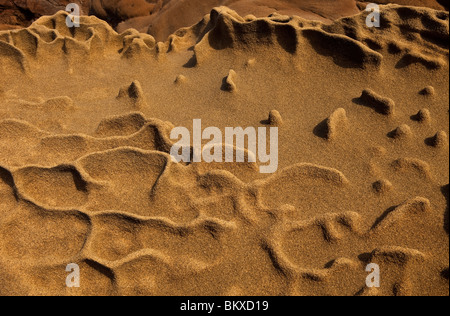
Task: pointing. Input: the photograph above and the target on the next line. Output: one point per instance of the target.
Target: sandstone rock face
(434, 4)
(160, 18)
(21, 13)
(121, 10)
(167, 16)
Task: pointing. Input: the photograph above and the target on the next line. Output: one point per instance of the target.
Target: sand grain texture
(86, 176)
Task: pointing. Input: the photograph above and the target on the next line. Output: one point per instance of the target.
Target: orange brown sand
(363, 177)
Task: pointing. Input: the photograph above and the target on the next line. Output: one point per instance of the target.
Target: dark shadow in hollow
(383, 216)
(445, 192)
(321, 130)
